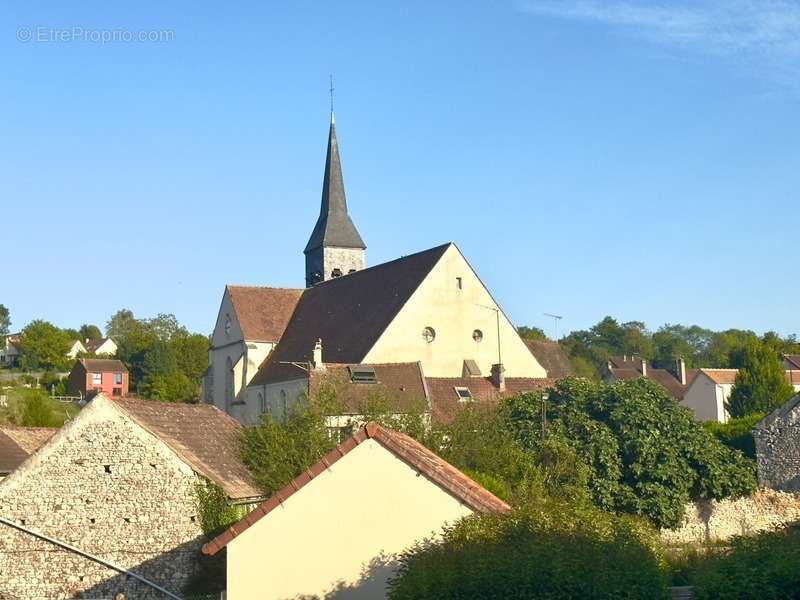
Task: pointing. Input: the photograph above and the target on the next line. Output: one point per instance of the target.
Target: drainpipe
(92, 557)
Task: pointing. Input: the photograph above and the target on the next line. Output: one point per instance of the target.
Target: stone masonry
(109, 487)
(777, 439)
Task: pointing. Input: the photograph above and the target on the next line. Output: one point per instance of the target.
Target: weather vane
(331, 90)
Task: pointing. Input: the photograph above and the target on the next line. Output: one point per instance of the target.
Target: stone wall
(778, 452)
(108, 487)
(720, 520)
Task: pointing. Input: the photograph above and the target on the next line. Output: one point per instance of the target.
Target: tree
(43, 346)
(191, 352)
(645, 453)
(5, 321)
(531, 333)
(90, 332)
(761, 383)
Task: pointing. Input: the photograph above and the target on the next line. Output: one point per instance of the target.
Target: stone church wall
(105, 486)
(713, 521)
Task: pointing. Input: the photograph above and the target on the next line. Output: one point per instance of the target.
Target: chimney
(317, 361)
(681, 369)
(644, 367)
(499, 376)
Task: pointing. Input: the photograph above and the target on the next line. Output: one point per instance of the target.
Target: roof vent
(362, 374)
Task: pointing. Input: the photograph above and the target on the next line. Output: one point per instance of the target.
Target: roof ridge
(263, 287)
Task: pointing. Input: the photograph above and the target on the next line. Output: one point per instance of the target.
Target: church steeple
(335, 247)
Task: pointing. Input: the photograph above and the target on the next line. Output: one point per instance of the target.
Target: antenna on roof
(556, 319)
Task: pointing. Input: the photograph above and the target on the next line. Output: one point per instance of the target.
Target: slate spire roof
(334, 226)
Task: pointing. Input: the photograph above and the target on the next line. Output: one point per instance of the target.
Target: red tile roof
(103, 365)
(628, 367)
(263, 312)
(722, 376)
(403, 447)
(18, 443)
(203, 436)
(445, 402)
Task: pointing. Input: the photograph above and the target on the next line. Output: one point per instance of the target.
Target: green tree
(90, 332)
(5, 322)
(761, 383)
(531, 333)
(645, 453)
(191, 352)
(43, 346)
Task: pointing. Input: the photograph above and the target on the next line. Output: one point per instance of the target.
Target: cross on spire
(331, 91)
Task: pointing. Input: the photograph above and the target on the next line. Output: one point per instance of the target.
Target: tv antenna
(556, 319)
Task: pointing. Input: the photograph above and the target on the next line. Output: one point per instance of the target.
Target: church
(420, 330)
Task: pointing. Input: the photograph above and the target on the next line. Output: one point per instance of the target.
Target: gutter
(91, 557)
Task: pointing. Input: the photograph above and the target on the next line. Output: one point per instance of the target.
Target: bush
(761, 567)
(645, 454)
(549, 550)
(737, 433)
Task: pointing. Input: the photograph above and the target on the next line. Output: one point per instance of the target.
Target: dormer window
(362, 374)
(464, 395)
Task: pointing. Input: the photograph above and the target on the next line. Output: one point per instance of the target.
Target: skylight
(464, 395)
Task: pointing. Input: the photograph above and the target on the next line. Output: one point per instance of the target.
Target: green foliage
(765, 566)
(737, 433)
(165, 362)
(532, 333)
(551, 549)
(5, 322)
(761, 383)
(29, 407)
(43, 346)
(644, 453)
(215, 512)
(592, 348)
(90, 332)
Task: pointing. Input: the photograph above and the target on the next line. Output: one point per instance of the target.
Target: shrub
(737, 433)
(551, 549)
(761, 567)
(645, 454)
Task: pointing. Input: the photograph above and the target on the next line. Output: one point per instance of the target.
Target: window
(228, 382)
(118, 378)
(116, 392)
(428, 334)
(336, 273)
(262, 405)
(97, 379)
(362, 374)
(458, 283)
(284, 405)
(464, 395)
(477, 335)
(228, 325)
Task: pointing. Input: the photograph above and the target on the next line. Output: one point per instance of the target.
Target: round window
(428, 334)
(477, 335)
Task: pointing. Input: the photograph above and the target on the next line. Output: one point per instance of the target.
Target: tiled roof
(627, 368)
(403, 447)
(348, 313)
(400, 384)
(793, 360)
(17, 443)
(263, 312)
(551, 356)
(445, 402)
(721, 376)
(202, 435)
(103, 365)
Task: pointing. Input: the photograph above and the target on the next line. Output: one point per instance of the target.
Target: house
(620, 368)
(429, 307)
(18, 443)
(109, 504)
(9, 350)
(777, 438)
(710, 390)
(339, 524)
(101, 347)
(92, 375)
(76, 348)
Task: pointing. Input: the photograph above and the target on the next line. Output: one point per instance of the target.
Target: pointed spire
(334, 226)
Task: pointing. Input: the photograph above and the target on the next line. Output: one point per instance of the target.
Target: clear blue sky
(628, 158)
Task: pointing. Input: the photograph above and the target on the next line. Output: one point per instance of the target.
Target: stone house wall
(714, 521)
(112, 489)
(778, 452)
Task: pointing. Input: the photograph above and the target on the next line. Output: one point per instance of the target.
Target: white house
(101, 347)
(9, 350)
(338, 526)
(76, 347)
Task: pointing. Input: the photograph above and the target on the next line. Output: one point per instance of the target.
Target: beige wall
(454, 314)
(274, 395)
(109, 348)
(707, 399)
(367, 504)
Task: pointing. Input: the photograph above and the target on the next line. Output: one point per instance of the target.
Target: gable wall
(706, 399)
(778, 453)
(59, 490)
(366, 503)
(454, 314)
